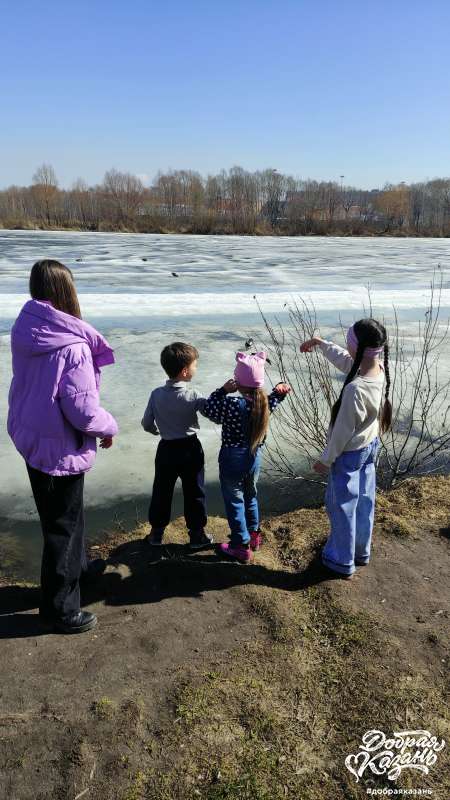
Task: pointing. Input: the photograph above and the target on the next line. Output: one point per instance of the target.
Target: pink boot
(239, 552)
(255, 540)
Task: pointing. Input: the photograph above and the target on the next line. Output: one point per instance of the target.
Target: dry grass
(277, 720)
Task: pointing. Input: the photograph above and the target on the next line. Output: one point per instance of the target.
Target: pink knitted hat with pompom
(250, 369)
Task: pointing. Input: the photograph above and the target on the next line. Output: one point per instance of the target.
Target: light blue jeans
(238, 471)
(350, 504)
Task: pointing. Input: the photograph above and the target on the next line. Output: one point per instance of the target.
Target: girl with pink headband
(350, 456)
(245, 421)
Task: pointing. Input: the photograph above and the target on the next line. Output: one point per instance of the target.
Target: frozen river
(128, 291)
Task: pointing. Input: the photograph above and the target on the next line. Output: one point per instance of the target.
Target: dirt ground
(214, 680)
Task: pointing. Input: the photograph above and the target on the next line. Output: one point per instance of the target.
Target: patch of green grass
(137, 788)
(104, 708)
(194, 702)
(251, 784)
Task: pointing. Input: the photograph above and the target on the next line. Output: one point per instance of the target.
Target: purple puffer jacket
(54, 407)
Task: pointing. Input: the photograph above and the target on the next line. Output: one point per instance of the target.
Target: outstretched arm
(339, 357)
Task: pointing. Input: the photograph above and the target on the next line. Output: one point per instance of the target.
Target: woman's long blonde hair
(50, 280)
(259, 416)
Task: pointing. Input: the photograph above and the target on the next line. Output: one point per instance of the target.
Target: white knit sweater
(357, 421)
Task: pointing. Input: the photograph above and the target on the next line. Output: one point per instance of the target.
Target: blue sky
(316, 89)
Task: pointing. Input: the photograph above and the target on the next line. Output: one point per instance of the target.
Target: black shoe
(361, 563)
(155, 537)
(94, 569)
(79, 622)
(199, 540)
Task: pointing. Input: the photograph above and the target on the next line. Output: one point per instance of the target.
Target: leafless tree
(125, 192)
(274, 186)
(44, 191)
(349, 198)
(419, 441)
(233, 201)
(167, 193)
(215, 195)
(331, 199)
(81, 203)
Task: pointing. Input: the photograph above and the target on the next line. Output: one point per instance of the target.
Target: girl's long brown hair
(259, 416)
(53, 281)
(370, 333)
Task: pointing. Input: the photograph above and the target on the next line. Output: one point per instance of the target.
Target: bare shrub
(419, 441)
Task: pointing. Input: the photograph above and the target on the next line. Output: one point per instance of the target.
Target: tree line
(233, 201)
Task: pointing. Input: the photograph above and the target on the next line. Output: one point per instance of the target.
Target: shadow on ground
(135, 574)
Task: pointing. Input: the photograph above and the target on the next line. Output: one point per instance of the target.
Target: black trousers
(59, 501)
(179, 458)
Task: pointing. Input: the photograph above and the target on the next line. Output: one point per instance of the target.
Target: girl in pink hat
(349, 458)
(245, 420)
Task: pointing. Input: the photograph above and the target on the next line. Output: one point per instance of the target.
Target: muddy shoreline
(212, 680)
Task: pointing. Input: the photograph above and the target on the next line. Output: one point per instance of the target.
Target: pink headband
(369, 352)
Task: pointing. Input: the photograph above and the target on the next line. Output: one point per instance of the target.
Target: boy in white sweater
(353, 443)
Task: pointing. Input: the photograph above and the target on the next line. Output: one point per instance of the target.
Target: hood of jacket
(40, 328)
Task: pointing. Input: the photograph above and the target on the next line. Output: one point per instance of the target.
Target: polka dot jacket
(232, 412)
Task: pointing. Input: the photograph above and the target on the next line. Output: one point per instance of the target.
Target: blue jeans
(350, 504)
(239, 471)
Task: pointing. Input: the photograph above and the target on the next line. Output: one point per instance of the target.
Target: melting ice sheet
(128, 290)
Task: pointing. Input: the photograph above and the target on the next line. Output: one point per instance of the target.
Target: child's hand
(309, 345)
(106, 442)
(230, 386)
(322, 469)
(283, 388)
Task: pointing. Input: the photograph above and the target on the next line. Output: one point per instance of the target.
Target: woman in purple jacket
(54, 420)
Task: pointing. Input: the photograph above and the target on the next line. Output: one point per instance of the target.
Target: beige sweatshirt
(357, 422)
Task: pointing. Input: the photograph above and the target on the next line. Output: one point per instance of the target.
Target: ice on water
(128, 291)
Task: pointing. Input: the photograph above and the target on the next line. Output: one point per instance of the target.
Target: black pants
(59, 501)
(179, 458)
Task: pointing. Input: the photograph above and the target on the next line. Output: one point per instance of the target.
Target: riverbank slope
(166, 228)
(207, 679)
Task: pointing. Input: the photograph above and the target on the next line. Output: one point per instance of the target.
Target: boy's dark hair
(176, 356)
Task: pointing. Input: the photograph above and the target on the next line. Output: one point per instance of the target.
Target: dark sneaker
(79, 622)
(199, 540)
(155, 537)
(359, 563)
